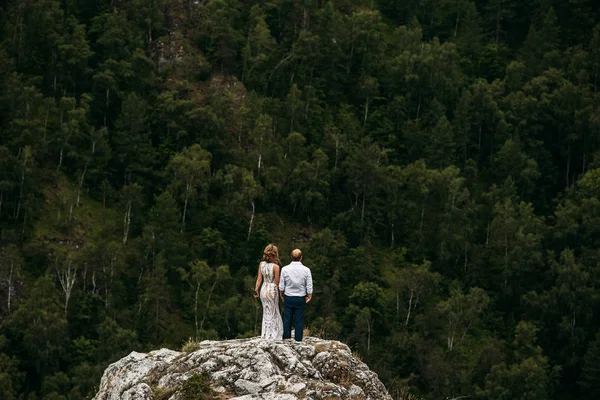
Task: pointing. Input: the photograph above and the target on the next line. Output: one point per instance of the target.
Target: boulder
(245, 369)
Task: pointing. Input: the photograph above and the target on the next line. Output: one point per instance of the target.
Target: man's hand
(308, 297)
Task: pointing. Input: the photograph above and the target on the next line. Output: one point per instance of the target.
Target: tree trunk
(185, 203)
(457, 19)
(362, 214)
(422, 217)
(498, 24)
(258, 166)
(210, 292)
(409, 307)
(66, 278)
(107, 102)
(397, 305)
(464, 332)
(466, 256)
(104, 205)
(46, 122)
(126, 222)
(251, 220)
(108, 275)
(21, 187)
(23, 226)
(505, 255)
(196, 307)
(105, 286)
(10, 285)
(337, 151)
(156, 305)
(81, 183)
(60, 160)
(368, 336)
(568, 165)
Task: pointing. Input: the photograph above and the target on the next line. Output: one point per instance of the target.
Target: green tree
(199, 272)
(240, 190)
(190, 173)
(590, 373)
(11, 377)
(541, 46)
(461, 311)
(132, 156)
(528, 377)
(562, 306)
(11, 275)
(39, 326)
(414, 284)
(364, 167)
(258, 49)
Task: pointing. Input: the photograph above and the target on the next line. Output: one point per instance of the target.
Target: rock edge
(248, 369)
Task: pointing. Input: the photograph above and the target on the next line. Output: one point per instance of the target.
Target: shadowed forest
(437, 161)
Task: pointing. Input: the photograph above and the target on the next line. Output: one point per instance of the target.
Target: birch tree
(8, 164)
(111, 264)
(11, 274)
(190, 171)
(221, 274)
(67, 275)
(258, 49)
(461, 311)
(130, 202)
(24, 167)
(418, 282)
(198, 273)
(365, 167)
(240, 192)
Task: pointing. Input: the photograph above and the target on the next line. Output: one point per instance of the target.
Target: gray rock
(248, 369)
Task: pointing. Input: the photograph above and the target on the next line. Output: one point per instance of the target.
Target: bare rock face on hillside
(245, 369)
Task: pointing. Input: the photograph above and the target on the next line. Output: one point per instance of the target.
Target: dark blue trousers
(293, 309)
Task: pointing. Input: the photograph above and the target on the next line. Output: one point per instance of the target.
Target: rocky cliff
(244, 369)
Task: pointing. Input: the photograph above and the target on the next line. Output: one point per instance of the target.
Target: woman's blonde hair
(271, 254)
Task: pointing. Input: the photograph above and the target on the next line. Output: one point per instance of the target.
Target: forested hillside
(438, 162)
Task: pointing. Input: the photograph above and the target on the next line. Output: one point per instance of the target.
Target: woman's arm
(258, 281)
(276, 274)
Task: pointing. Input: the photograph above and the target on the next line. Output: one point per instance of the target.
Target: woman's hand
(255, 294)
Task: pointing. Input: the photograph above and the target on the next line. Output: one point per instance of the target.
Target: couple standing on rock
(295, 288)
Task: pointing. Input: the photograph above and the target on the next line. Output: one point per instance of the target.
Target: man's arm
(309, 286)
(282, 283)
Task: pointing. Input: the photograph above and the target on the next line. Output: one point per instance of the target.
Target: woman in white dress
(268, 270)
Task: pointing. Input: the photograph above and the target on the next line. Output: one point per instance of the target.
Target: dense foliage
(438, 161)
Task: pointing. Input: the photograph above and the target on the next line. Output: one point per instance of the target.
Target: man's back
(296, 280)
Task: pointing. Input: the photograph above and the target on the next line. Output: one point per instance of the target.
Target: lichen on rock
(246, 369)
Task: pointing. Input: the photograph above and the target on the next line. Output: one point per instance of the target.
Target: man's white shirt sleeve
(282, 280)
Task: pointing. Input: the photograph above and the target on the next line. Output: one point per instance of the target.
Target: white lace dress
(272, 325)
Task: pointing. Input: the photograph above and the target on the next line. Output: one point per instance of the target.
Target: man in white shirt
(295, 289)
